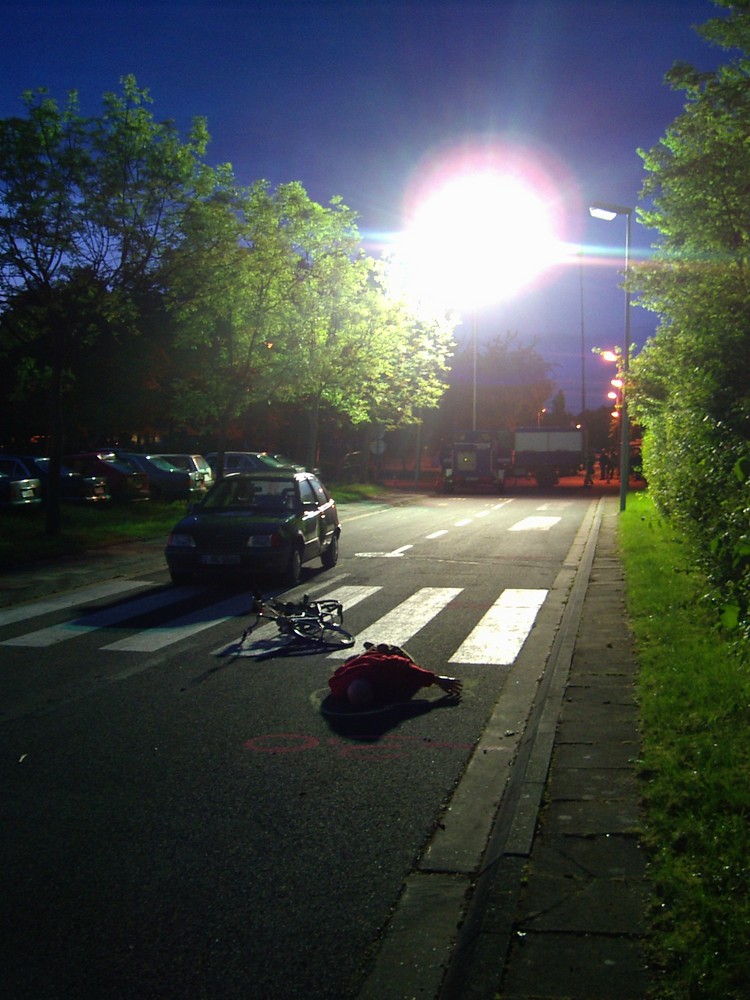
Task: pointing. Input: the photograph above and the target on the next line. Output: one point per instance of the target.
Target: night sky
(360, 99)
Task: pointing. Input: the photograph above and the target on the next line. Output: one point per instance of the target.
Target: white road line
(100, 619)
(404, 621)
(501, 633)
(71, 600)
(534, 524)
(385, 555)
(436, 534)
(151, 639)
(462, 523)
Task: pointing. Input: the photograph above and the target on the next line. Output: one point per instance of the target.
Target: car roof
(283, 475)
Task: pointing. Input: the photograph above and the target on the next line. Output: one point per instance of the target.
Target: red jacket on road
(392, 677)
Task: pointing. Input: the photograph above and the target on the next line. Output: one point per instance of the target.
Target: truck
(474, 462)
(547, 453)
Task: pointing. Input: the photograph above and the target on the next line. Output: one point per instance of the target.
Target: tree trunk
(53, 519)
(313, 417)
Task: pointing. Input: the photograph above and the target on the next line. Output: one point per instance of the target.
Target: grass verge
(24, 542)
(694, 696)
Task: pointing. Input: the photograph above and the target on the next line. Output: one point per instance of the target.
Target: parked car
(125, 484)
(257, 522)
(74, 487)
(289, 463)
(248, 461)
(191, 463)
(165, 481)
(17, 488)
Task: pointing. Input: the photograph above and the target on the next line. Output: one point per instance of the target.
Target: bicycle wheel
(323, 633)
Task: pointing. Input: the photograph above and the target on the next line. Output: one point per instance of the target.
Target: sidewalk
(568, 919)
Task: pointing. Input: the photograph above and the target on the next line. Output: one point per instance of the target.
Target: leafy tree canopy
(690, 386)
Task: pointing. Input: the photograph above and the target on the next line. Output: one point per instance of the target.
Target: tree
(690, 387)
(228, 286)
(88, 206)
(513, 384)
(275, 300)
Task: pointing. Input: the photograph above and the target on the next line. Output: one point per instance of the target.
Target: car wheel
(180, 578)
(294, 567)
(331, 555)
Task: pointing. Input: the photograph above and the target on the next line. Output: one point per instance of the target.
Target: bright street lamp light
(481, 226)
(603, 210)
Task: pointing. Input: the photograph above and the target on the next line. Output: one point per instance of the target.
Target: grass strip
(694, 697)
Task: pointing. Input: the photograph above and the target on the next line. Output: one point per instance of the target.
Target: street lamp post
(474, 323)
(602, 210)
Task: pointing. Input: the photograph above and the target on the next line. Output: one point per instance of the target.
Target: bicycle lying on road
(308, 621)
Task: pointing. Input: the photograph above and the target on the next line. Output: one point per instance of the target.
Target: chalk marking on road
(535, 524)
(501, 633)
(74, 627)
(404, 621)
(83, 596)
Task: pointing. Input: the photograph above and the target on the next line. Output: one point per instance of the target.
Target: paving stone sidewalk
(580, 925)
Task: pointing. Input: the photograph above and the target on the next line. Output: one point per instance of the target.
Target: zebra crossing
(495, 639)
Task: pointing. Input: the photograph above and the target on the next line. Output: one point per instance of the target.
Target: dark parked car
(259, 523)
(191, 463)
(17, 488)
(74, 487)
(249, 461)
(123, 481)
(165, 481)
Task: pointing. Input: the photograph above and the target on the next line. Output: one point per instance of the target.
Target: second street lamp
(603, 210)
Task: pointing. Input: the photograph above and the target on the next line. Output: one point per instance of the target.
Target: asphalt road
(181, 819)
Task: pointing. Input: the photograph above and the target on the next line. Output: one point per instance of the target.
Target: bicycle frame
(310, 621)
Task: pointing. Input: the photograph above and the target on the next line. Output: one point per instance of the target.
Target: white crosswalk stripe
(539, 523)
(152, 639)
(496, 639)
(405, 620)
(96, 592)
(100, 619)
(501, 633)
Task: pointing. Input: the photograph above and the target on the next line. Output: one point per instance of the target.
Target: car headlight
(179, 541)
(260, 541)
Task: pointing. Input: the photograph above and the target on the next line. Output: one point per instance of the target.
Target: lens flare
(481, 226)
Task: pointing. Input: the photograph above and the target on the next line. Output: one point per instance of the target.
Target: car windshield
(162, 463)
(238, 493)
(270, 461)
(178, 461)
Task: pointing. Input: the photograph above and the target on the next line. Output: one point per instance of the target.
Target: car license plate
(220, 560)
(27, 493)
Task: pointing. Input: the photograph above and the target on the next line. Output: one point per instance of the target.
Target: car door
(313, 529)
(327, 515)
